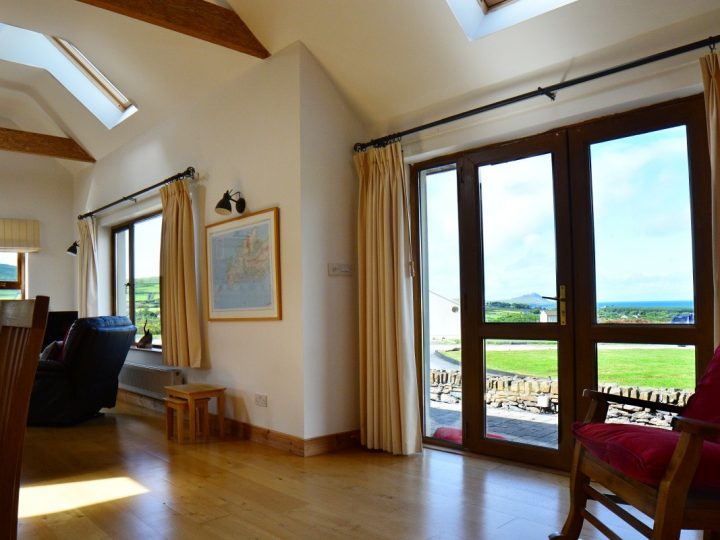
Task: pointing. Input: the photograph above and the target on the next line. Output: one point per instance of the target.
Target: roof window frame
(97, 77)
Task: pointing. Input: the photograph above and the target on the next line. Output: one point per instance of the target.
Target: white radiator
(148, 380)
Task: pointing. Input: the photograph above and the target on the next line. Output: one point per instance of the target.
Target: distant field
(509, 312)
(147, 304)
(651, 368)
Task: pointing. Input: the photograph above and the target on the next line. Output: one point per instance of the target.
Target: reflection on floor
(241, 490)
(515, 426)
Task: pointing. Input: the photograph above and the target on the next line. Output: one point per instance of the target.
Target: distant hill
(8, 272)
(531, 299)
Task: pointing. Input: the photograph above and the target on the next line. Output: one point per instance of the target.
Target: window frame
(580, 373)
(20, 283)
(129, 226)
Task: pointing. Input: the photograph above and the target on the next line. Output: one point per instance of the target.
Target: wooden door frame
(689, 111)
(466, 163)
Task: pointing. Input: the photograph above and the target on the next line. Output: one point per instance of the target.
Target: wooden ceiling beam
(196, 18)
(40, 144)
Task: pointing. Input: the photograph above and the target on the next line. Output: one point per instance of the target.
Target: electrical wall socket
(261, 400)
(339, 269)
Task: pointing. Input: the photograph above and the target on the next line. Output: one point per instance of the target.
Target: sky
(147, 247)
(641, 218)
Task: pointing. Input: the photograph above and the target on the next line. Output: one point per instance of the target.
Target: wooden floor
(118, 477)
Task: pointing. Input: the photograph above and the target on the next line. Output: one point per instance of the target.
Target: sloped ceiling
(161, 71)
(392, 58)
(395, 60)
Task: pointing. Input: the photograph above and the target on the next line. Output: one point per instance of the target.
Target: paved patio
(515, 426)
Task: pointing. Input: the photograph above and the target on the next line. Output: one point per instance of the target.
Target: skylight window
(479, 18)
(70, 68)
(94, 73)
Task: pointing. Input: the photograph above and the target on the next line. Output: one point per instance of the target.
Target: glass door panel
(442, 379)
(518, 236)
(520, 285)
(643, 229)
(522, 391)
(656, 372)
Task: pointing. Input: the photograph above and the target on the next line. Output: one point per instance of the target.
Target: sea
(674, 304)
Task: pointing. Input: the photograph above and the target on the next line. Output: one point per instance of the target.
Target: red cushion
(643, 452)
(705, 402)
(449, 434)
(455, 435)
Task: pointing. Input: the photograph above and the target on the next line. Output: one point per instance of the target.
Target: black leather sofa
(82, 376)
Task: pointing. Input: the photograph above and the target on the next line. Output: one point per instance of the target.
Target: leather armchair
(84, 379)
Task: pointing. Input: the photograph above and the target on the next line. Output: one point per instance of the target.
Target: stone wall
(540, 396)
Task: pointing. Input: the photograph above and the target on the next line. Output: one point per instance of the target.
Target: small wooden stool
(195, 392)
(175, 410)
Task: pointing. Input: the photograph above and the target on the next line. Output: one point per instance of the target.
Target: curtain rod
(548, 91)
(187, 173)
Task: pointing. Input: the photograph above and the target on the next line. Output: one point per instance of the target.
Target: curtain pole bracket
(547, 93)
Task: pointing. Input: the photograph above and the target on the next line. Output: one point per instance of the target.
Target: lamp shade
(224, 205)
(72, 250)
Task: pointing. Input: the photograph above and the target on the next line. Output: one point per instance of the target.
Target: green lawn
(651, 368)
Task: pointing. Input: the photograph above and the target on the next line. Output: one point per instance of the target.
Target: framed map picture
(243, 267)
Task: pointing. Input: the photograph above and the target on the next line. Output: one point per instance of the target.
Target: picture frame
(243, 267)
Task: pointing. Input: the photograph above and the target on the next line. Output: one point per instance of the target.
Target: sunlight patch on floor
(48, 499)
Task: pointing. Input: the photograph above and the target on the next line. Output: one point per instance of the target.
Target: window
(479, 18)
(70, 68)
(579, 259)
(93, 73)
(136, 273)
(11, 275)
(487, 5)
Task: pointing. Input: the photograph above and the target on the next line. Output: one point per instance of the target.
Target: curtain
(20, 235)
(87, 255)
(710, 66)
(389, 403)
(178, 291)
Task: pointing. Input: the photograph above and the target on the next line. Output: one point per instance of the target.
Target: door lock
(561, 299)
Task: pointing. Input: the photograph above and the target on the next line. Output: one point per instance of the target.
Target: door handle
(561, 299)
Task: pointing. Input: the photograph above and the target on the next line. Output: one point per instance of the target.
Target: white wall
(35, 187)
(329, 128)
(248, 137)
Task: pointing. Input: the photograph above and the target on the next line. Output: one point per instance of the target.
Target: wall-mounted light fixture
(224, 205)
(72, 250)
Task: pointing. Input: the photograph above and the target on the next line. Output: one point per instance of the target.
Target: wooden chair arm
(698, 427)
(612, 398)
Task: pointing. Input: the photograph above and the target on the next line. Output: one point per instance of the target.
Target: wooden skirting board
(242, 430)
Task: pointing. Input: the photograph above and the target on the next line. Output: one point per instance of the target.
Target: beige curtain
(87, 258)
(178, 291)
(710, 66)
(389, 404)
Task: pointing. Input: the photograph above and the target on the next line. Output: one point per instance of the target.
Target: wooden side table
(191, 392)
(175, 410)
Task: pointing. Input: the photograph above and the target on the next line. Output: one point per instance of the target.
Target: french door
(563, 261)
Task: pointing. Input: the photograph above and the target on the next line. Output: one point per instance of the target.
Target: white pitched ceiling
(161, 71)
(394, 57)
(395, 60)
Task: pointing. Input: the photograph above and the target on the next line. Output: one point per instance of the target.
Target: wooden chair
(22, 325)
(671, 476)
